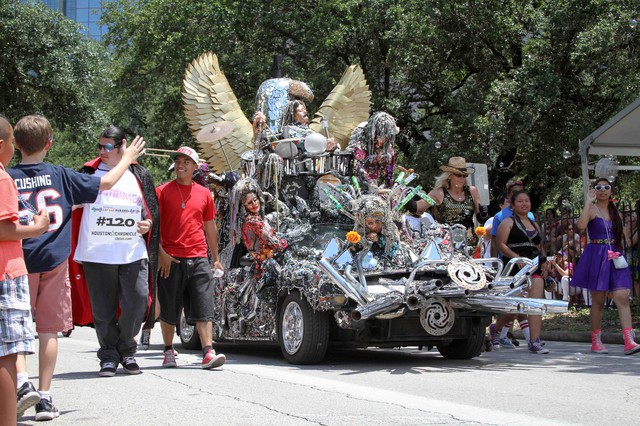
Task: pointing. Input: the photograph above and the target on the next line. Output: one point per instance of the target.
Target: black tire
(296, 317)
(189, 336)
(465, 348)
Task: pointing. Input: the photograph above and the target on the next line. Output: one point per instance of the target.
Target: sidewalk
(574, 336)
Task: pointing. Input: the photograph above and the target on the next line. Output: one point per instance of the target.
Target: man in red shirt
(187, 227)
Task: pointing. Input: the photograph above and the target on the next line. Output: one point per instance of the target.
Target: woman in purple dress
(596, 269)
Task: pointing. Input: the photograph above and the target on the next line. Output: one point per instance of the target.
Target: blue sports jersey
(57, 189)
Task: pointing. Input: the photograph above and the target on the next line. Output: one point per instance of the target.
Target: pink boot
(630, 346)
(596, 343)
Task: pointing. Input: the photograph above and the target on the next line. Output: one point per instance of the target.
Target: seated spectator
(563, 265)
(571, 240)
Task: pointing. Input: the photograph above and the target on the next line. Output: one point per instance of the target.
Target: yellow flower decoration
(353, 237)
(481, 231)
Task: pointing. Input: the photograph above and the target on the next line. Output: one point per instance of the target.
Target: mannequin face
(251, 203)
(300, 114)
(380, 141)
(373, 225)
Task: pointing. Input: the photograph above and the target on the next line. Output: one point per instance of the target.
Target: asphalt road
(357, 387)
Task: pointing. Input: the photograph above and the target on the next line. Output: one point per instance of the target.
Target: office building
(85, 12)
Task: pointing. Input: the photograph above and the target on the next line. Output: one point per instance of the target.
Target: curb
(575, 336)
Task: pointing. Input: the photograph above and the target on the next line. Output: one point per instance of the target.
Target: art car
(314, 256)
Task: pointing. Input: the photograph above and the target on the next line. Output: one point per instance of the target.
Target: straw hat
(457, 165)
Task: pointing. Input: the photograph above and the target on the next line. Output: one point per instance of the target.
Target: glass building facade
(85, 12)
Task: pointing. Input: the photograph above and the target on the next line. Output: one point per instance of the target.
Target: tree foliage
(50, 68)
(518, 82)
(510, 83)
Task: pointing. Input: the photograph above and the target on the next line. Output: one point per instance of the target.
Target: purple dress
(594, 271)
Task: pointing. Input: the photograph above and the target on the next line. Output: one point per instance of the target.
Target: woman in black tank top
(518, 236)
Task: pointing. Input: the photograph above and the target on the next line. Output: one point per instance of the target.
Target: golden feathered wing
(208, 98)
(346, 106)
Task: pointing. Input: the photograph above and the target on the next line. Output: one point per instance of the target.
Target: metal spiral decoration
(437, 316)
(467, 275)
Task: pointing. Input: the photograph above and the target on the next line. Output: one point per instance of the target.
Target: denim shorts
(189, 284)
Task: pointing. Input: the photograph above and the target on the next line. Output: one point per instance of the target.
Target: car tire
(303, 333)
(189, 336)
(465, 348)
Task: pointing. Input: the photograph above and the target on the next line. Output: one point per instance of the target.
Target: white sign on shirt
(111, 223)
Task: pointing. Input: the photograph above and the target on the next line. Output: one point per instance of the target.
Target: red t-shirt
(11, 256)
(182, 229)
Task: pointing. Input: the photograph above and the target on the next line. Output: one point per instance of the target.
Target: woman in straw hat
(456, 201)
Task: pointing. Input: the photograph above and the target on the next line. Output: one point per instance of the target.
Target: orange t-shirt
(11, 256)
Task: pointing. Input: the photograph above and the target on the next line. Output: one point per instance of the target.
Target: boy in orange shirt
(15, 308)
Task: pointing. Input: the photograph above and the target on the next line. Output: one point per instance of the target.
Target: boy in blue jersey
(57, 189)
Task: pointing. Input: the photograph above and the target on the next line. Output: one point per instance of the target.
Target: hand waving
(135, 149)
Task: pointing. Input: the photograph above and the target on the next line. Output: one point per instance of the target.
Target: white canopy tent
(618, 136)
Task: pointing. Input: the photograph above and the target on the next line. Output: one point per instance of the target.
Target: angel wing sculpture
(208, 98)
(346, 106)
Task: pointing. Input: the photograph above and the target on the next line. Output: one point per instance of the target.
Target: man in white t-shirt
(118, 255)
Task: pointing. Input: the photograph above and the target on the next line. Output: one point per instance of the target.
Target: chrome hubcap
(292, 328)
(186, 330)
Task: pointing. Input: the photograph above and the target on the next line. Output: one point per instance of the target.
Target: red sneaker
(213, 360)
(169, 359)
(599, 349)
(596, 343)
(631, 348)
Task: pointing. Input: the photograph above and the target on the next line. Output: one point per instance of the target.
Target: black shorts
(190, 284)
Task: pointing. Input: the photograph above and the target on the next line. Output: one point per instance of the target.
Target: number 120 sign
(110, 223)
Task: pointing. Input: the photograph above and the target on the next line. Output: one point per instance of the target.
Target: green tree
(510, 83)
(50, 68)
(514, 83)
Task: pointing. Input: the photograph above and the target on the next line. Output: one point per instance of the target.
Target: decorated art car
(328, 296)
(317, 255)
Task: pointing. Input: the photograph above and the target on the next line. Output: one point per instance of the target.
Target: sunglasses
(602, 187)
(107, 147)
(513, 183)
